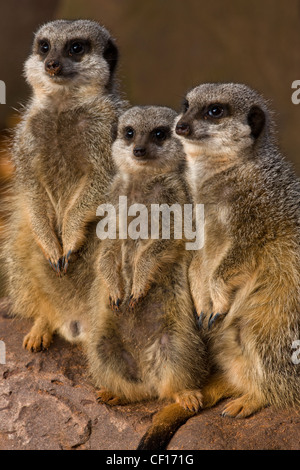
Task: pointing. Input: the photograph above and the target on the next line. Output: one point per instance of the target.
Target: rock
(267, 430)
(47, 401)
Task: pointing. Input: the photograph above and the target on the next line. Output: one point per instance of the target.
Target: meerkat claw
(115, 304)
(213, 318)
(200, 320)
(55, 266)
(133, 301)
(60, 266)
(65, 261)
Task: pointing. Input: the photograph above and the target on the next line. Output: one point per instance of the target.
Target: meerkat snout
(139, 151)
(183, 128)
(53, 67)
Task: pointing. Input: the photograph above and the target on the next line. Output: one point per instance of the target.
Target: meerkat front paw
(60, 266)
(115, 303)
(191, 400)
(55, 259)
(116, 297)
(208, 321)
(133, 301)
(65, 261)
(40, 336)
(243, 407)
(37, 341)
(137, 295)
(108, 398)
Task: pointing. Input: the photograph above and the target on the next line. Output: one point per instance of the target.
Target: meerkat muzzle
(183, 128)
(53, 67)
(139, 151)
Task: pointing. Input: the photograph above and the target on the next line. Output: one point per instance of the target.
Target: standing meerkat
(246, 280)
(62, 157)
(143, 340)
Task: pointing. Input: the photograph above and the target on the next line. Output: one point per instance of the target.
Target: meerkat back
(62, 156)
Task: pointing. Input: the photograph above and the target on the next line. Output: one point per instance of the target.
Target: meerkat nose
(139, 151)
(183, 128)
(53, 67)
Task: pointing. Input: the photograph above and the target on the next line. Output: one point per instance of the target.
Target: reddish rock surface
(47, 401)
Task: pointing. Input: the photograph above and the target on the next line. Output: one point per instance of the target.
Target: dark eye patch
(44, 46)
(129, 133)
(215, 112)
(160, 134)
(76, 48)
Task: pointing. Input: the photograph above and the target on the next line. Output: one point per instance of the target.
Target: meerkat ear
(256, 121)
(111, 55)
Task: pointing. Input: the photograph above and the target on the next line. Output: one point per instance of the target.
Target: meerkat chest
(63, 146)
(64, 138)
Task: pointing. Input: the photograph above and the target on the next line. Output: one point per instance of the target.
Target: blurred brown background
(169, 46)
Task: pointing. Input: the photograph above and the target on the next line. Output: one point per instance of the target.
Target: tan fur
(248, 271)
(62, 156)
(143, 337)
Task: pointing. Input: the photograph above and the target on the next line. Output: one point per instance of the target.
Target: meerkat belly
(143, 328)
(137, 340)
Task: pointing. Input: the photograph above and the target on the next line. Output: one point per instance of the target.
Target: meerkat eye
(44, 47)
(129, 133)
(76, 48)
(159, 134)
(216, 111)
(185, 106)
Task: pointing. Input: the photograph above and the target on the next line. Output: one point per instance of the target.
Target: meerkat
(245, 281)
(144, 341)
(62, 156)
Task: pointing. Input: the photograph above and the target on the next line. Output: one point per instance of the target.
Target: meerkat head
(71, 54)
(144, 142)
(221, 123)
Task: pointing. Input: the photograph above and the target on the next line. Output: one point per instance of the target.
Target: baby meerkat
(246, 280)
(62, 156)
(143, 338)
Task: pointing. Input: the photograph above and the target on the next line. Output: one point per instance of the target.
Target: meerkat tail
(165, 423)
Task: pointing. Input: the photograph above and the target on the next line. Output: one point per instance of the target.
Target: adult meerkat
(143, 340)
(62, 156)
(246, 279)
